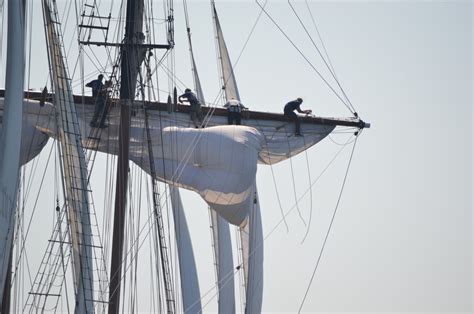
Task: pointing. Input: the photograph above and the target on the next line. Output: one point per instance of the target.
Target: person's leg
(103, 112)
(194, 118)
(96, 113)
(297, 125)
(238, 118)
(200, 117)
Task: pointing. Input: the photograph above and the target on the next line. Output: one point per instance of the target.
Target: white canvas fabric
(252, 256)
(228, 77)
(190, 293)
(206, 164)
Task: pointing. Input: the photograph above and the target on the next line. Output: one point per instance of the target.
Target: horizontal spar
(247, 114)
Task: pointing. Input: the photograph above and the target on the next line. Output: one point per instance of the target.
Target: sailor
(289, 112)
(234, 110)
(99, 92)
(195, 106)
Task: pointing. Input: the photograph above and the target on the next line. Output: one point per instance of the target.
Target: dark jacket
(292, 106)
(96, 86)
(191, 98)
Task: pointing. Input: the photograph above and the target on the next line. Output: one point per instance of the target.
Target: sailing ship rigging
(218, 162)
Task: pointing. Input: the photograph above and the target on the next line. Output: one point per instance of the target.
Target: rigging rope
(310, 194)
(294, 185)
(329, 228)
(330, 68)
(304, 57)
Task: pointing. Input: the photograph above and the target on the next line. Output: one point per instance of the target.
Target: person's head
(187, 90)
(300, 100)
(100, 77)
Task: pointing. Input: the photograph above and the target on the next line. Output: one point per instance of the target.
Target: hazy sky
(402, 238)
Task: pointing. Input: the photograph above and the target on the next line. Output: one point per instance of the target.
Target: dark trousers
(196, 117)
(234, 116)
(99, 111)
(294, 117)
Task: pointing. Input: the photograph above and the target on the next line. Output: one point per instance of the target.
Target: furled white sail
(73, 167)
(187, 266)
(10, 137)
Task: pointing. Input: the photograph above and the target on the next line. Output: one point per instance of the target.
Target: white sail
(252, 256)
(251, 233)
(265, 142)
(224, 263)
(222, 244)
(73, 166)
(10, 137)
(187, 266)
(228, 77)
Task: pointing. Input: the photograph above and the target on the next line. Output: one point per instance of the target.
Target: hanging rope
(329, 228)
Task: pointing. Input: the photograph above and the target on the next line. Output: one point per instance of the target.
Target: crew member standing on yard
(289, 112)
(100, 96)
(195, 106)
(234, 109)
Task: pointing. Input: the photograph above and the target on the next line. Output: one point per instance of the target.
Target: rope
(330, 68)
(294, 185)
(304, 57)
(310, 194)
(329, 228)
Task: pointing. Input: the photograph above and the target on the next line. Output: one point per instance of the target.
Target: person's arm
(89, 84)
(307, 111)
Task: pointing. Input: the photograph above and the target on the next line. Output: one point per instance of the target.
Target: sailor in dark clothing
(234, 109)
(195, 106)
(289, 112)
(100, 97)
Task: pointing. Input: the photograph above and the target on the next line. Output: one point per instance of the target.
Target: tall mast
(132, 54)
(132, 57)
(10, 139)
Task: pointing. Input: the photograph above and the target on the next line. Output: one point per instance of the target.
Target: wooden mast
(132, 57)
(133, 51)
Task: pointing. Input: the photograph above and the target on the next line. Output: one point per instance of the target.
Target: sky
(402, 237)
